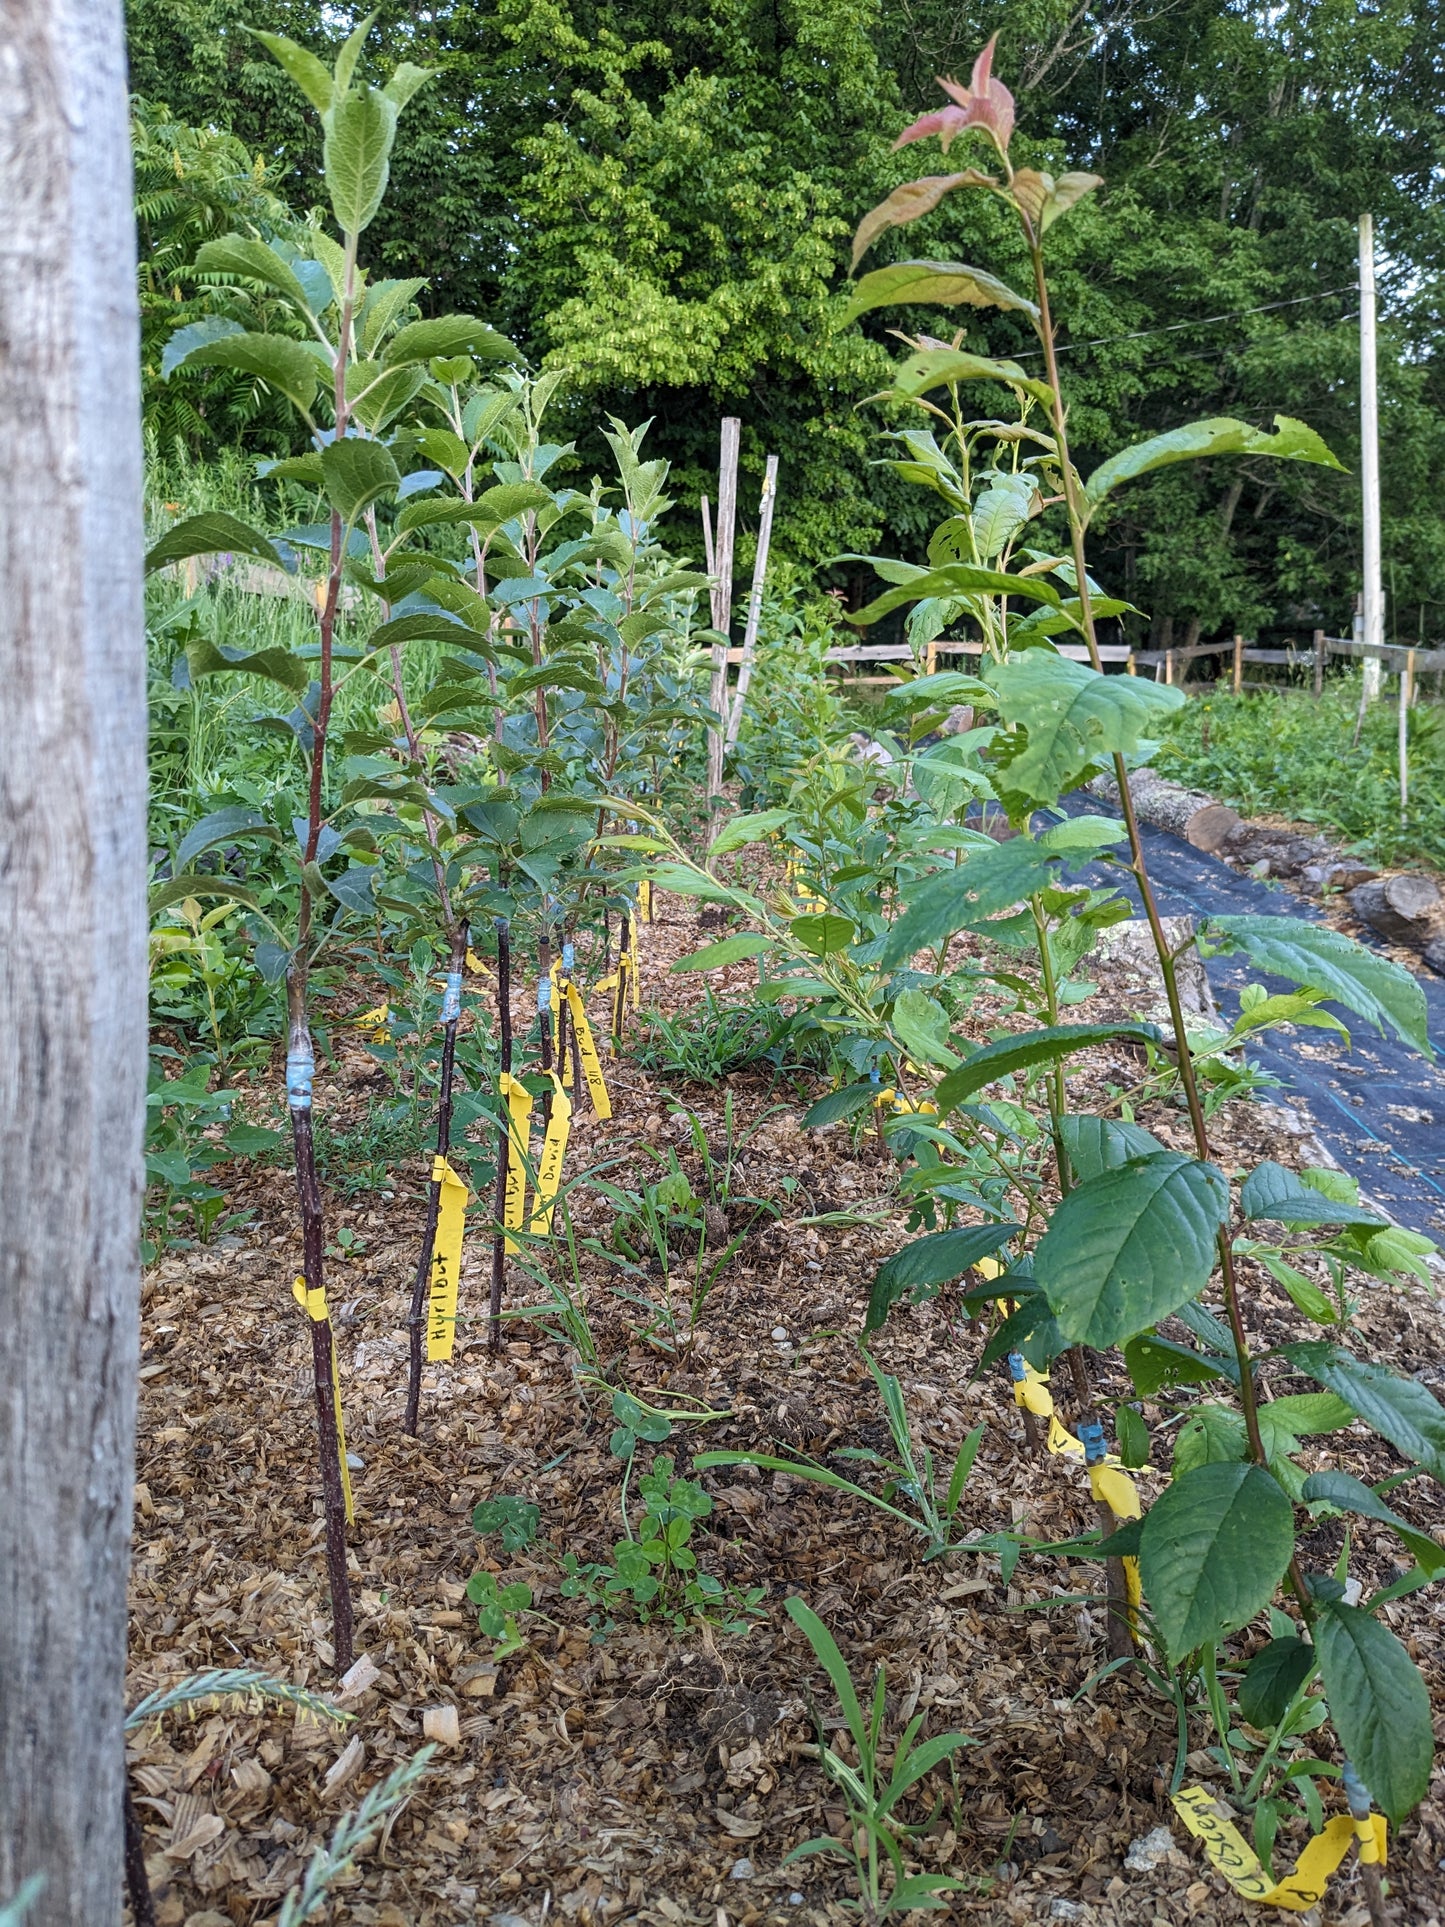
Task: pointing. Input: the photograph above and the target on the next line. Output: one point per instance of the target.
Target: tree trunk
(72, 947)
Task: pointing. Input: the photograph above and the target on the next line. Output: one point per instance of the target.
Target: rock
(958, 721)
(780, 1335)
(1145, 1855)
(1434, 955)
(1401, 908)
(741, 1870)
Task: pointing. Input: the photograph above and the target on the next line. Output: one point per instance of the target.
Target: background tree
(72, 947)
(657, 196)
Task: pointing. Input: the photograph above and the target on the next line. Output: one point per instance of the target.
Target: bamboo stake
(450, 1016)
(1407, 680)
(755, 600)
(722, 598)
(504, 1128)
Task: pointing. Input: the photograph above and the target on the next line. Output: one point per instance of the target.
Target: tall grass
(1285, 755)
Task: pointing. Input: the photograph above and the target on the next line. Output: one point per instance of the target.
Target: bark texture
(72, 946)
(1403, 908)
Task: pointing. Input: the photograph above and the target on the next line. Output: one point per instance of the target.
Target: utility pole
(1374, 600)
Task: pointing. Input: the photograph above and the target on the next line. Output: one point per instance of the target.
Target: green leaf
(823, 935)
(1133, 1436)
(1303, 1293)
(837, 1105)
(832, 1662)
(954, 581)
(357, 473)
(452, 334)
(277, 665)
(1154, 1362)
(1353, 1495)
(197, 883)
(1270, 1191)
(1379, 1706)
(1314, 954)
(304, 68)
(1097, 1144)
(405, 81)
(1271, 1680)
(214, 533)
(424, 626)
(945, 282)
(989, 879)
(377, 395)
(287, 366)
(920, 1024)
(1215, 1545)
(356, 157)
(1400, 1409)
(1212, 1435)
(1075, 717)
(385, 300)
(713, 956)
(1128, 1247)
(1030, 1047)
(221, 826)
(252, 260)
(1293, 442)
(937, 367)
(920, 1268)
(753, 828)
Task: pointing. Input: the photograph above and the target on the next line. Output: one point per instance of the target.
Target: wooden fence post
(1319, 678)
(755, 600)
(722, 598)
(1238, 664)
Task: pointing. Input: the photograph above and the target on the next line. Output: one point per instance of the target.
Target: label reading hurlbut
(446, 1264)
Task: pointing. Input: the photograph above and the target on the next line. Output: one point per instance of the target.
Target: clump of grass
(706, 1042)
(1285, 755)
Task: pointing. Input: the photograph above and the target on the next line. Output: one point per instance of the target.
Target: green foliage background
(660, 198)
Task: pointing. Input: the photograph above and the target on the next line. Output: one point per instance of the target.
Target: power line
(1173, 327)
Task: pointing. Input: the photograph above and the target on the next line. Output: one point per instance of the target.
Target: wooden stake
(1319, 676)
(722, 598)
(1407, 678)
(1238, 664)
(755, 600)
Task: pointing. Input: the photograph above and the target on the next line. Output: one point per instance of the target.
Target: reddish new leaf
(984, 102)
(910, 203)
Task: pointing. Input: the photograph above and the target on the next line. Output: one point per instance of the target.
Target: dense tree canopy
(661, 197)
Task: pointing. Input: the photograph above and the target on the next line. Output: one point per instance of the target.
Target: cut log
(1280, 853)
(1401, 908)
(1199, 819)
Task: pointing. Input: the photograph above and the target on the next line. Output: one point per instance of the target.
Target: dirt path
(658, 1776)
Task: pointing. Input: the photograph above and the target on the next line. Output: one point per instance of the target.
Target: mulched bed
(661, 1776)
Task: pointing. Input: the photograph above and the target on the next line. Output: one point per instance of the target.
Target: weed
(876, 1832)
(712, 1039)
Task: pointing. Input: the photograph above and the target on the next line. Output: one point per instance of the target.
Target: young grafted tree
(72, 947)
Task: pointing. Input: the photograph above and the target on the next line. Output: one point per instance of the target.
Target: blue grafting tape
(452, 1000)
(300, 1069)
(1017, 1370)
(1356, 1792)
(569, 958)
(873, 1078)
(544, 995)
(1091, 1437)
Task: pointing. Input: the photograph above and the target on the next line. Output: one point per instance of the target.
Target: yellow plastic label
(376, 1021)
(313, 1303)
(446, 1261)
(559, 991)
(587, 1051)
(644, 900)
(1032, 1392)
(549, 1168)
(1230, 1855)
(519, 1108)
(986, 1267)
(1117, 1490)
(635, 959)
(475, 964)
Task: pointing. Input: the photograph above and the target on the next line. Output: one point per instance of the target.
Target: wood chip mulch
(662, 1776)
